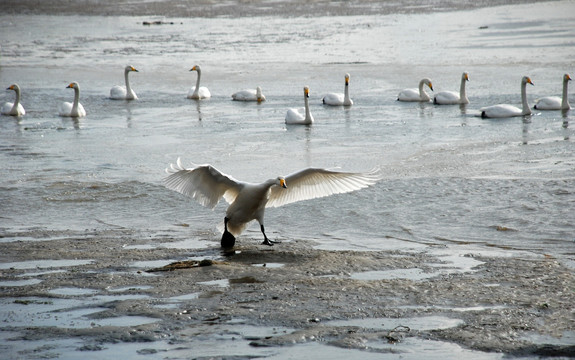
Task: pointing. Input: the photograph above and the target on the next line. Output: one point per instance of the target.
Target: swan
(73, 109)
(13, 109)
(118, 92)
(338, 98)
(505, 110)
(301, 116)
(451, 97)
(554, 102)
(248, 201)
(414, 94)
(249, 95)
(197, 92)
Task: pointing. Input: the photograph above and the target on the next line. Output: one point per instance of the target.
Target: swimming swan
(197, 92)
(554, 102)
(338, 98)
(13, 109)
(505, 110)
(451, 97)
(73, 109)
(118, 92)
(301, 116)
(249, 95)
(248, 201)
(414, 94)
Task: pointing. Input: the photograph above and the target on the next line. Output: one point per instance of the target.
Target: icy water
(450, 177)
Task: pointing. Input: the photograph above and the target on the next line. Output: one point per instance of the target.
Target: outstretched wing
(204, 183)
(313, 183)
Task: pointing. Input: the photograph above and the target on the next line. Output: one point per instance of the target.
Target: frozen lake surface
(449, 175)
(451, 178)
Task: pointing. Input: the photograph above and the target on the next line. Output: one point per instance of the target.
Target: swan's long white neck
(128, 88)
(462, 94)
(346, 99)
(74, 111)
(308, 118)
(198, 81)
(16, 101)
(564, 102)
(422, 94)
(526, 110)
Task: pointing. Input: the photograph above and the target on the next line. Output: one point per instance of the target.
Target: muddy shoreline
(207, 9)
(498, 304)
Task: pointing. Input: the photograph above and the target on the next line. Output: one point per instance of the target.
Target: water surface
(452, 181)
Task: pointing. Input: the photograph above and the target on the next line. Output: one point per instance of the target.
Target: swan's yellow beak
(430, 86)
(568, 77)
(466, 77)
(307, 92)
(529, 81)
(193, 69)
(134, 69)
(11, 87)
(70, 86)
(283, 183)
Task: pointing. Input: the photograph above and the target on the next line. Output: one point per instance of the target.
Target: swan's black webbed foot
(270, 242)
(266, 240)
(228, 240)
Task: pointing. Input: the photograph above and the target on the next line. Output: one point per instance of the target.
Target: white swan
(451, 97)
(505, 110)
(73, 109)
(554, 102)
(248, 201)
(338, 98)
(249, 95)
(415, 94)
(13, 109)
(300, 116)
(197, 92)
(118, 92)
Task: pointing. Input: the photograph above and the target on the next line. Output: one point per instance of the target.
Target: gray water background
(450, 177)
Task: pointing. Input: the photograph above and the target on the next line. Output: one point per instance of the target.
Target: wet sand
(495, 304)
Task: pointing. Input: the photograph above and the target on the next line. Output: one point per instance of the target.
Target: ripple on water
(43, 264)
(407, 274)
(62, 313)
(415, 323)
(72, 291)
(14, 283)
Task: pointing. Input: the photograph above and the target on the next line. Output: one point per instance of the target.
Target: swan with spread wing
(248, 201)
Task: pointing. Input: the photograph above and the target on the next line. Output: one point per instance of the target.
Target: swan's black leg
(266, 240)
(228, 240)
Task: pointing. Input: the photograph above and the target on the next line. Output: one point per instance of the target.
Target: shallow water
(450, 178)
